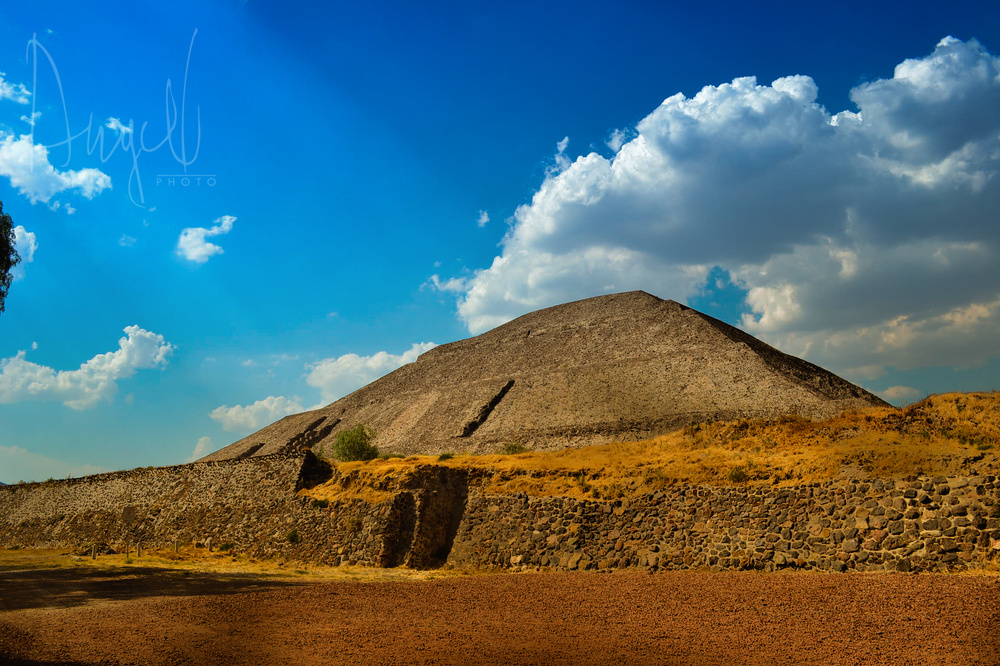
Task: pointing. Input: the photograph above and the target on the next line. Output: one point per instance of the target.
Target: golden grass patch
(942, 435)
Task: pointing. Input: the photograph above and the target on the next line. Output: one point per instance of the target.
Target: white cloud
(126, 241)
(483, 219)
(27, 166)
(192, 244)
(962, 337)
(252, 417)
(25, 243)
(33, 118)
(116, 125)
(201, 449)
(900, 395)
(94, 381)
(859, 236)
(455, 284)
(13, 91)
(562, 160)
(18, 464)
(616, 140)
(337, 377)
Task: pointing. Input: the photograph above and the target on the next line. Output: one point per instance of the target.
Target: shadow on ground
(70, 587)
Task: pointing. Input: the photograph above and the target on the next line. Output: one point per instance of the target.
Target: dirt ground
(157, 615)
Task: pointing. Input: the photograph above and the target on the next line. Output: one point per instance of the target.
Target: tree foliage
(355, 444)
(8, 254)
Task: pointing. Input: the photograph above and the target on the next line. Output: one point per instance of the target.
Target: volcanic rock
(618, 367)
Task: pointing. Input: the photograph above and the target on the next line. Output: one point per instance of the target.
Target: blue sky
(365, 180)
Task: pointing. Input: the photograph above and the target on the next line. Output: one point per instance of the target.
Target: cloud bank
(863, 239)
(337, 377)
(192, 244)
(95, 380)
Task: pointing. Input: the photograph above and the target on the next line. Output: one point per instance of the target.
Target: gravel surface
(146, 616)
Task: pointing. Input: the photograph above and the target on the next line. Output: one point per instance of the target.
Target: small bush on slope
(355, 444)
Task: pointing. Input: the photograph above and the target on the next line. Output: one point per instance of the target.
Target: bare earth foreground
(138, 615)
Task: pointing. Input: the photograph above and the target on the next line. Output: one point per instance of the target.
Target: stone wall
(439, 516)
(923, 524)
(252, 504)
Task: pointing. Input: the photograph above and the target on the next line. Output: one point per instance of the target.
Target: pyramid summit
(616, 367)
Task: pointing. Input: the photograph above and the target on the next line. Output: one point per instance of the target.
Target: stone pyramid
(611, 368)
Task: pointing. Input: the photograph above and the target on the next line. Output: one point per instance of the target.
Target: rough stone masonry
(442, 519)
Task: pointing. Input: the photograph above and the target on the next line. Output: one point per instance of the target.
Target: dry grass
(953, 433)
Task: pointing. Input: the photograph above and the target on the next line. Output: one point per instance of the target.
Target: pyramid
(611, 368)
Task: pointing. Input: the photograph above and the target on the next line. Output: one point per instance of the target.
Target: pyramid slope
(617, 367)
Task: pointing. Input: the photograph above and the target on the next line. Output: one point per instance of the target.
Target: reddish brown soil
(156, 616)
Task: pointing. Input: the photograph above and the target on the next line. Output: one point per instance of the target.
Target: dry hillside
(955, 433)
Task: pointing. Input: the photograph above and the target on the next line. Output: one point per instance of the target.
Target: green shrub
(226, 547)
(292, 537)
(739, 474)
(445, 456)
(355, 444)
(513, 448)
(320, 503)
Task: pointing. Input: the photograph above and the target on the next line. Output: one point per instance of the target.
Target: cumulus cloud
(18, 464)
(865, 237)
(247, 418)
(25, 243)
(94, 381)
(192, 244)
(900, 395)
(616, 140)
(201, 449)
(13, 91)
(337, 377)
(483, 219)
(455, 284)
(27, 166)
